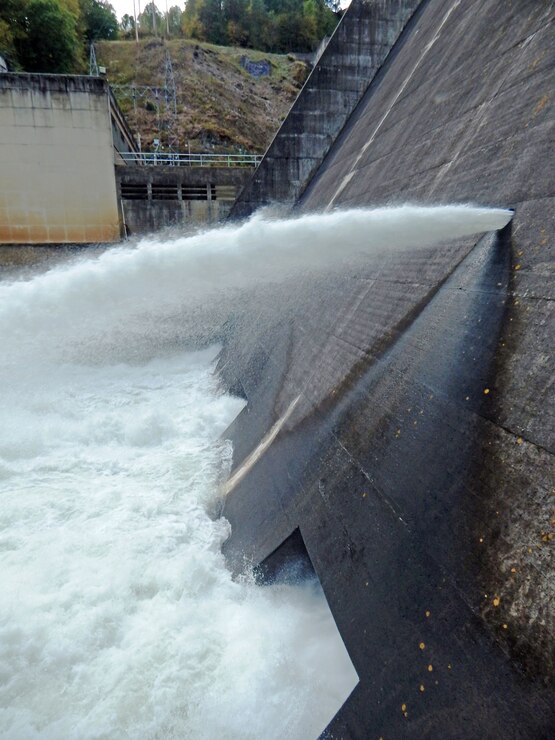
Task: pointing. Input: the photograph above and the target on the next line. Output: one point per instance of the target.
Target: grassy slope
(220, 107)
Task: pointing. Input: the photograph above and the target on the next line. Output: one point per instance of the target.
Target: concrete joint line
(257, 453)
(516, 435)
(386, 500)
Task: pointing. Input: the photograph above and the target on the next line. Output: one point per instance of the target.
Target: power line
(162, 97)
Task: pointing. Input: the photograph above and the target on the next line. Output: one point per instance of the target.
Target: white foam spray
(156, 279)
(118, 617)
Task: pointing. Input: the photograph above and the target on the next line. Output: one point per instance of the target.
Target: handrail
(177, 159)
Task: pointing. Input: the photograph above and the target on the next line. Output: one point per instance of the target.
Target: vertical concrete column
(56, 159)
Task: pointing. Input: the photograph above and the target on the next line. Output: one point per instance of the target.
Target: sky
(126, 6)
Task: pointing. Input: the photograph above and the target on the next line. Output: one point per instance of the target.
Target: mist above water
(118, 617)
(130, 290)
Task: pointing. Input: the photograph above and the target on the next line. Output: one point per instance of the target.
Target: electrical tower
(169, 84)
(93, 66)
(163, 98)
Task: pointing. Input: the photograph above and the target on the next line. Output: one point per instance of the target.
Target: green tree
(234, 10)
(73, 7)
(212, 18)
(328, 15)
(191, 24)
(281, 6)
(301, 26)
(150, 20)
(127, 25)
(174, 20)
(99, 20)
(236, 22)
(261, 26)
(289, 29)
(12, 29)
(319, 21)
(51, 43)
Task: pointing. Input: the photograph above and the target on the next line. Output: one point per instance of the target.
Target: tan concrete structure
(59, 138)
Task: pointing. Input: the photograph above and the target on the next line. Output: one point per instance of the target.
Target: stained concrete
(57, 183)
(153, 198)
(349, 62)
(418, 463)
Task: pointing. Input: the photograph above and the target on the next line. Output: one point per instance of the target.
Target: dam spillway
(119, 615)
(417, 463)
(397, 430)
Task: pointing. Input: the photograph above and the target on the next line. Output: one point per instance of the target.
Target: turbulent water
(118, 617)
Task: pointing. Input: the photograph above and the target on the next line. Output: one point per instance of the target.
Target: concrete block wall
(359, 46)
(57, 181)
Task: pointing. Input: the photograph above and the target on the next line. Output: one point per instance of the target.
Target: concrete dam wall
(407, 405)
(58, 136)
(354, 54)
(153, 198)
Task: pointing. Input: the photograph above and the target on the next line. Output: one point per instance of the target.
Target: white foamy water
(118, 617)
(136, 287)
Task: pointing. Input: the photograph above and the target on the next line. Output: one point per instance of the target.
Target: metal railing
(191, 160)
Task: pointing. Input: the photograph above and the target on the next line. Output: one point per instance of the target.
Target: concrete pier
(59, 138)
(349, 62)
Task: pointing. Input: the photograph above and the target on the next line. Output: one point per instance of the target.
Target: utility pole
(135, 18)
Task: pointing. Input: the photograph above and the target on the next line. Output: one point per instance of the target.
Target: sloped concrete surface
(419, 462)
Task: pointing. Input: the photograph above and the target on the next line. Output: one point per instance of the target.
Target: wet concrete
(418, 462)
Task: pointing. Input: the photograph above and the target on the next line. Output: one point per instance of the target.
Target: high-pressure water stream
(118, 616)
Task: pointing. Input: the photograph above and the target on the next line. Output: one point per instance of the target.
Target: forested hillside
(270, 25)
(54, 35)
(222, 102)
